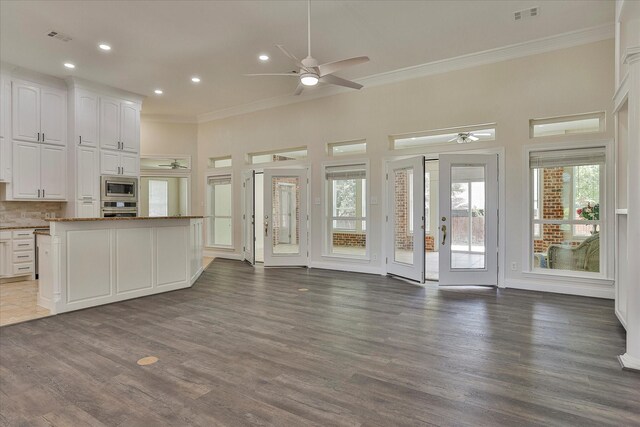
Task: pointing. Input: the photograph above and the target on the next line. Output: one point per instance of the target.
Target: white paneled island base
(89, 262)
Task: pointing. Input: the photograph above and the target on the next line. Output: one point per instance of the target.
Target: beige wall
(509, 93)
(172, 139)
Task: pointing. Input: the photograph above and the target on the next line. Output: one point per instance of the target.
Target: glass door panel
(468, 219)
(285, 217)
(405, 218)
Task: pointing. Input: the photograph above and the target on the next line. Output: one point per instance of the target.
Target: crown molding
(518, 50)
(632, 55)
(78, 82)
(168, 118)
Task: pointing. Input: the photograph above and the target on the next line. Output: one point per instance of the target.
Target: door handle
(266, 226)
(444, 233)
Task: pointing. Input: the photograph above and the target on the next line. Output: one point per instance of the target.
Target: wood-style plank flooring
(245, 346)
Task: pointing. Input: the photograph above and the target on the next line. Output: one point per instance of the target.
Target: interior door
(405, 218)
(248, 217)
(468, 219)
(285, 217)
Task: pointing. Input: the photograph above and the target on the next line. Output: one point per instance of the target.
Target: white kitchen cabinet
(130, 164)
(40, 171)
(53, 172)
(87, 209)
(87, 173)
(109, 162)
(5, 107)
(5, 160)
(109, 123)
(26, 165)
(129, 127)
(26, 111)
(53, 116)
(6, 255)
(86, 123)
(118, 163)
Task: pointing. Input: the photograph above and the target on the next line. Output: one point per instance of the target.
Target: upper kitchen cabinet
(5, 129)
(39, 113)
(119, 125)
(86, 123)
(40, 171)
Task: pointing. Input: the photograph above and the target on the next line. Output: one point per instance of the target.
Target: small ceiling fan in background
(311, 72)
(174, 165)
(466, 137)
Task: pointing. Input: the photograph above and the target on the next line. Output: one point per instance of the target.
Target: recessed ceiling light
(158, 91)
(69, 65)
(104, 46)
(263, 57)
(195, 79)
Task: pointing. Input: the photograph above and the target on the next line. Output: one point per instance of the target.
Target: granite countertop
(42, 232)
(23, 227)
(134, 218)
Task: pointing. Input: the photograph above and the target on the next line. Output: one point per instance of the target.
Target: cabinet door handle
(38, 193)
(23, 256)
(23, 268)
(43, 192)
(23, 244)
(38, 136)
(80, 139)
(42, 136)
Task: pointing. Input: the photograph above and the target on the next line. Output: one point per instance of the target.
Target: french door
(248, 217)
(468, 218)
(285, 217)
(405, 239)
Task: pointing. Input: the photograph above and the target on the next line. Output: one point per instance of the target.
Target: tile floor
(18, 302)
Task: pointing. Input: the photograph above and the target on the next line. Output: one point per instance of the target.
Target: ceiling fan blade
(473, 138)
(299, 89)
(455, 138)
(335, 80)
(481, 134)
(291, 56)
(272, 74)
(332, 67)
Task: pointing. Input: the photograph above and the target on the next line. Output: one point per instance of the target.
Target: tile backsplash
(16, 214)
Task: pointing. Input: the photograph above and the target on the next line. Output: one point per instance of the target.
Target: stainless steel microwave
(119, 189)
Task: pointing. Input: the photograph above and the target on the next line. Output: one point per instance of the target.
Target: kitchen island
(85, 262)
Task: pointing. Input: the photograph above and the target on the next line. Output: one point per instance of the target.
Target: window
(346, 148)
(172, 164)
(220, 162)
(468, 134)
(567, 125)
(278, 156)
(158, 198)
(346, 210)
(219, 220)
(567, 191)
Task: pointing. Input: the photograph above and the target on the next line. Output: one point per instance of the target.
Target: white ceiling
(161, 44)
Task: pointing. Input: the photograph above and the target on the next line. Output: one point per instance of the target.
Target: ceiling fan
(466, 137)
(174, 165)
(311, 72)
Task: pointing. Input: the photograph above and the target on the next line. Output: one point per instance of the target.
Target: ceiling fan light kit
(310, 72)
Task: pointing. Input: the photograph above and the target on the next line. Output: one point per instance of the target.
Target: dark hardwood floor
(245, 347)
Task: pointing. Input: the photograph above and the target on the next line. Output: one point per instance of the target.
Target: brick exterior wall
(352, 240)
(552, 208)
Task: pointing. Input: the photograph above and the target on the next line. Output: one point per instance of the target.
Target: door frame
(432, 153)
(248, 175)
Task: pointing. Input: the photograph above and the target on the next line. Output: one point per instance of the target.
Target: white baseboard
(629, 362)
(569, 288)
(221, 254)
(354, 268)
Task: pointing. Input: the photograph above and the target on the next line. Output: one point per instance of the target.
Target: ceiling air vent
(526, 13)
(59, 36)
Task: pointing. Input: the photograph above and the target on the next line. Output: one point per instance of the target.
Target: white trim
(210, 252)
(629, 362)
(518, 50)
(621, 95)
(78, 82)
(586, 288)
(187, 157)
(207, 206)
(606, 204)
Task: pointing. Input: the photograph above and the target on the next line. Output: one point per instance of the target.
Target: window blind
(346, 172)
(560, 158)
(219, 180)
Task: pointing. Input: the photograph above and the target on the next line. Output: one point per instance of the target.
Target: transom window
(299, 153)
(462, 135)
(347, 148)
(567, 125)
(220, 162)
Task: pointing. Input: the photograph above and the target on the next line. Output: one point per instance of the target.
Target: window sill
(218, 247)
